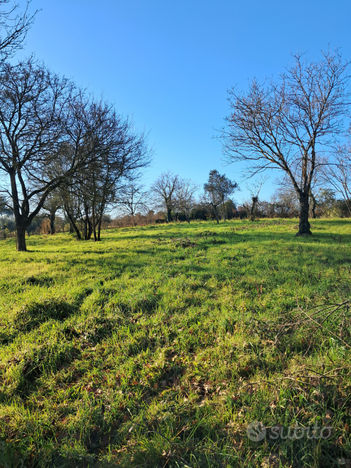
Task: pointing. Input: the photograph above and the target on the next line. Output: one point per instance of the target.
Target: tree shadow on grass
(329, 238)
(43, 360)
(33, 314)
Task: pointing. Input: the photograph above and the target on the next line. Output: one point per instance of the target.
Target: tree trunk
(73, 225)
(90, 230)
(21, 239)
(216, 214)
(85, 229)
(99, 221)
(99, 230)
(314, 205)
(314, 210)
(52, 222)
(20, 225)
(253, 209)
(169, 215)
(304, 225)
(86, 222)
(94, 222)
(224, 211)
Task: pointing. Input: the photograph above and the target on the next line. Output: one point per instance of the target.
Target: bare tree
(34, 109)
(131, 199)
(14, 26)
(338, 175)
(116, 154)
(185, 197)
(284, 201)
(286, 124)
(75, 208)
(165, 190)
(255, 189)
(125, 154)
(52, 204)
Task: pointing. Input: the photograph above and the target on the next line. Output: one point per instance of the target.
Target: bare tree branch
(14, 26)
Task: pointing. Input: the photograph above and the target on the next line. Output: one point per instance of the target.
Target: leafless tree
(338, 174)
(74, 206)
(116, 155)
(284, 201)
(131, 199)
(14, 26)
(126, 154)
(165, 191)
(185, 199)
(52, 204)
(285, 124)
(33, 107)
(255, 189)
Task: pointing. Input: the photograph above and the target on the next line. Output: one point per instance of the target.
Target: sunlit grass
(157, 346)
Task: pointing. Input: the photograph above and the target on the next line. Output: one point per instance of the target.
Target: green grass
(159, 345)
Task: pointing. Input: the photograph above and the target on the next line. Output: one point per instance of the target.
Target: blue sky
(169, 63)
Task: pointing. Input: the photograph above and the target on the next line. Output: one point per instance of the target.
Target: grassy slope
(138, 351)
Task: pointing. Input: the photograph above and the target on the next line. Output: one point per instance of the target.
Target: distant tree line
(173, 199)
(162, 205)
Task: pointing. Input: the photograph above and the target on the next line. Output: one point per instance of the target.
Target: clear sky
(169, 63)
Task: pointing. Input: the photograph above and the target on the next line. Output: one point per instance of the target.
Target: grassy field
(158, 346)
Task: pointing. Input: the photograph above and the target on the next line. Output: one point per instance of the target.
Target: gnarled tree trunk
(253, 208)
(21, 238)
(52, 222)
(169, 215)
(304, 225)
